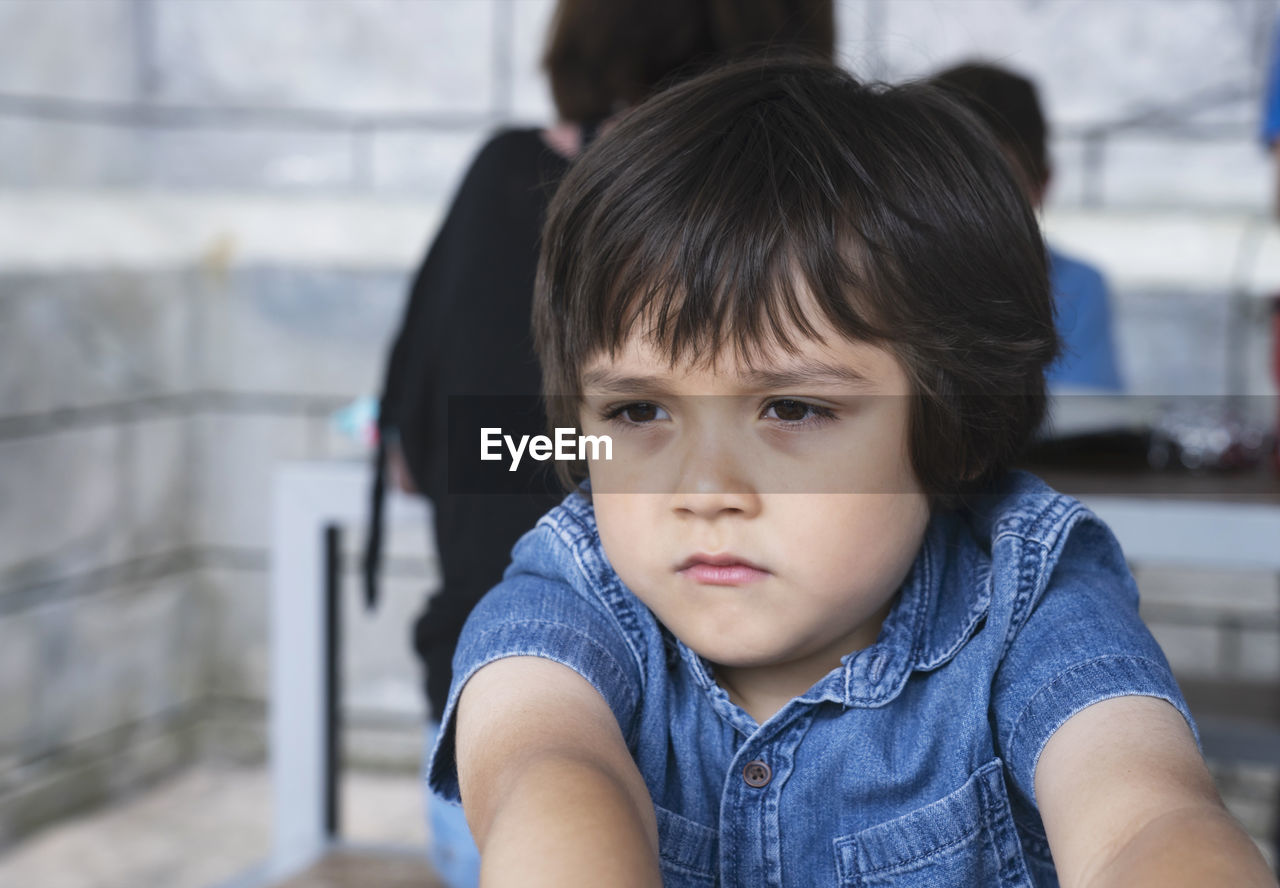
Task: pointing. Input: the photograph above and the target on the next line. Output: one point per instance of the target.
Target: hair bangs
(762, 269)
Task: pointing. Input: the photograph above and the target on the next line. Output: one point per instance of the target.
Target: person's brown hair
(605, 55)
(708, 212)
(1009, 104)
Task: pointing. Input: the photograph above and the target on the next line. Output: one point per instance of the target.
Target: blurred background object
(1008, 104)
(209, 213)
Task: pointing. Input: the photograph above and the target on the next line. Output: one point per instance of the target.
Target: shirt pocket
(687, 850)
(963, 839)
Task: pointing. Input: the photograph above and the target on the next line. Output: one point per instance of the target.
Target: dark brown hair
(605, 55)
(711, 208)
(1009, 104)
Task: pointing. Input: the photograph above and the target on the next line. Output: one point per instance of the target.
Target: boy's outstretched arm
(550, 791)
(1127, 801)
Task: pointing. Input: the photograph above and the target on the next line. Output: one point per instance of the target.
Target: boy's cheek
(627, 523)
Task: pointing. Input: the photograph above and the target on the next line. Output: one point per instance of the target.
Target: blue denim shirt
(910, 765)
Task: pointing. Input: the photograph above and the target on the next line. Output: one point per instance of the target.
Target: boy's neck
(766, 692)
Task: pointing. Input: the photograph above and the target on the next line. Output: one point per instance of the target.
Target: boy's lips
(725, 569)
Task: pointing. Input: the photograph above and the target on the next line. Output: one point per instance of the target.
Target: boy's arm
(550, 790)
(1127, 801)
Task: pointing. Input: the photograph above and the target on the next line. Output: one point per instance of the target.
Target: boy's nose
(712, 482)
(709, 506)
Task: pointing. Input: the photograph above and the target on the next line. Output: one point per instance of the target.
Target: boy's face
(765, 514)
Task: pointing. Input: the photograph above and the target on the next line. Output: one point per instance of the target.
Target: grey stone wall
(1152, 104)
(144, 413)
(369, 95)
(208, 214)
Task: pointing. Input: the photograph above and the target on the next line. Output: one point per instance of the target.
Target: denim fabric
(910, 765)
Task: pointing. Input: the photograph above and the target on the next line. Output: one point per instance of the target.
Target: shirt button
(757, 774)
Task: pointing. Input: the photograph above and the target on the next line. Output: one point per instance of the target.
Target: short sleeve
(540, 609)
(1082, 642)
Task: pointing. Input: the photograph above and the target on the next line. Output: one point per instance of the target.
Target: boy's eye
(638, 412)
(788, 410)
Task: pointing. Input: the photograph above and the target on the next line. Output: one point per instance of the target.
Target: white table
(309, 498)
(1193, 533)
(312, 496)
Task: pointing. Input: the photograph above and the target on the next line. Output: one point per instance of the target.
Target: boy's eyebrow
(609, 381)
(800, 374)
(807, 373)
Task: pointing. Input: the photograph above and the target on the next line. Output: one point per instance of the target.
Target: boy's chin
(718, 654)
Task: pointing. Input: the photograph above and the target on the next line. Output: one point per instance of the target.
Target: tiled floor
(209, 825)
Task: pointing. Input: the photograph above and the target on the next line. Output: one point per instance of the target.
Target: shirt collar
(947, 594)
(939, 606)
(942, 601)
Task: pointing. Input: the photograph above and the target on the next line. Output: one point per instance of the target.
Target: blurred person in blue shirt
(1010, 106)
(1271, 108)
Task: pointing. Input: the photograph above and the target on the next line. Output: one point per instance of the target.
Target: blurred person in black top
(465, 339)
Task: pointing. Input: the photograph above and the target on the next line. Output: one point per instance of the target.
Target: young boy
(804, 628)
